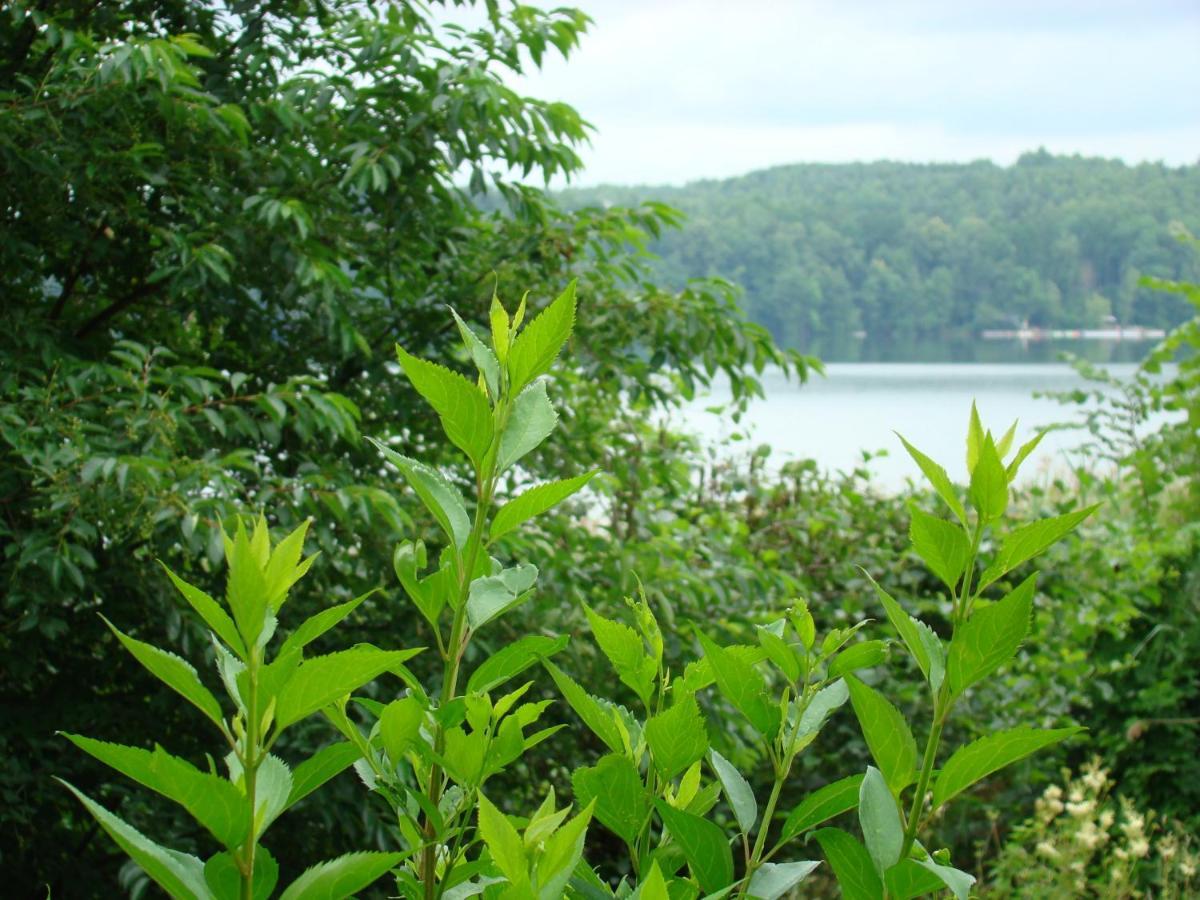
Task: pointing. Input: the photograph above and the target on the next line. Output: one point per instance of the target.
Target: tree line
(898, 249)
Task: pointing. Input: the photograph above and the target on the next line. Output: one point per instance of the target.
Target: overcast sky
(686, 89)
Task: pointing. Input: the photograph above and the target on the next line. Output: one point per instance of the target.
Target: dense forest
(896, 249)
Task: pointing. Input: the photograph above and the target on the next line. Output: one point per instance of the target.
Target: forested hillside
(902, 249)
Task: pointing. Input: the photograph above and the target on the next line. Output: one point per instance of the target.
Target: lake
(858, 406)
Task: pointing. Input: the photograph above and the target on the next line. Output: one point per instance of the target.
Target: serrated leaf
(990, 637)
(210, 611)
(341, 877)
(879, 818)
(677, 737)
(622, 804)
(742, 685)
(513, 659)
(863, 655)
(481, 354)
(285, 567)
(400, 726)
(771, 881)
(492, 595)
(1027, 448)
(920, 640)
(1025, 542)
(531, 421)
(538, 345)
(594, 716)
(561, 853)
(989, 754)
(223, 876)
(937, 477)
(704, 847)
(272, 789)
(246, 587)
(534, 502)
(211, 800)
(653, 886)
(887, 734)
(851, 865)
(172, 671)
(429, 594)
(737, 791)
(316, 625)
(942, 545)
(463, 409)
(323, 679)
(625, 651)
(181, 875)
(822, 805)
(975, 439)
(503, 842)
(435, 492)
(989, 483)
(326, 763)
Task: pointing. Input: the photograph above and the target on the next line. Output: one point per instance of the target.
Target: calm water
(857, 406)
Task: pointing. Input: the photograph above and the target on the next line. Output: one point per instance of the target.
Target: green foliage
(268, 697)
(902, 250)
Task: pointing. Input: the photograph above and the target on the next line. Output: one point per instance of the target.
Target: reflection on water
(847, 348)
(859, 406)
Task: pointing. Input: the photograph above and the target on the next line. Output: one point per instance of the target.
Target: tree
(215, 221)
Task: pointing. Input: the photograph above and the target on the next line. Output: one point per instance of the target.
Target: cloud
(680, 90)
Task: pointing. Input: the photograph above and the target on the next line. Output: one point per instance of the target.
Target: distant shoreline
(1126, 333)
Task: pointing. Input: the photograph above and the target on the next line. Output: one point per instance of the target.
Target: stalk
(250, 762)
(918, 802)
(760, 841)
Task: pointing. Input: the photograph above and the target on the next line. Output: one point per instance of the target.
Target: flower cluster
(1081, 842)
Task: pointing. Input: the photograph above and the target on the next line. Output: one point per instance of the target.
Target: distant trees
(922, 250)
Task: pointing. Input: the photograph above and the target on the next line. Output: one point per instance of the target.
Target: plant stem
(250, 763)
(918, 802)
(760, 841)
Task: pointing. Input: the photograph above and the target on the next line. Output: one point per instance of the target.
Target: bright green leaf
(990, 637)
(989, 754)
(879, 818)
(534, 502)
(704, 847)
(341, 877)
(851, 865)
(463, 409)
(538, 345)
(822, 805)
(737, 791)
(888, 737)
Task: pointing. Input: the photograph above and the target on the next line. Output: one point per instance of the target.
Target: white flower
(1080, 809)
(1048, 850)
(1139, 847)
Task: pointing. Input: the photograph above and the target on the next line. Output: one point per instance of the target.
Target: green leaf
(1027, 448)
(594, 716)
(737, 791)
(179, 874)
(435, 492)
(222, 874)
(285, 567)
(1005, 443)
(210, 611)
(990, 638)
(498, 319)
(513, 659)
(210, 799)
(888, 737)
(323, 679)
(937, 477)
(989, 483)
(316, 625)
(482, 355)
(624, 649)
(400, 726)
(341, 877)
(534, 502)
(975, 439)
(779, 652)
(622, 804)
(704, 847)
(246, 589)
(743, 686)
(561, 854)
(272, 789)
(538, 345)
(990, 754)
(879, 818)
(942, 545)
(822, 805)
(908, 879)
(920, 640)
(653, 886)
(462, 407)
(818, 708)
(429, 594)
(677, 737)
(530, 422)
(319, 768)
(1024, 543)
(863, 655)
(492, 595)
(174, 672)
(771, 881)
(957, 880)
(851, 865)
(503, 842)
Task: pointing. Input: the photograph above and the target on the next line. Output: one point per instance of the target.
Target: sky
(680, 90)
